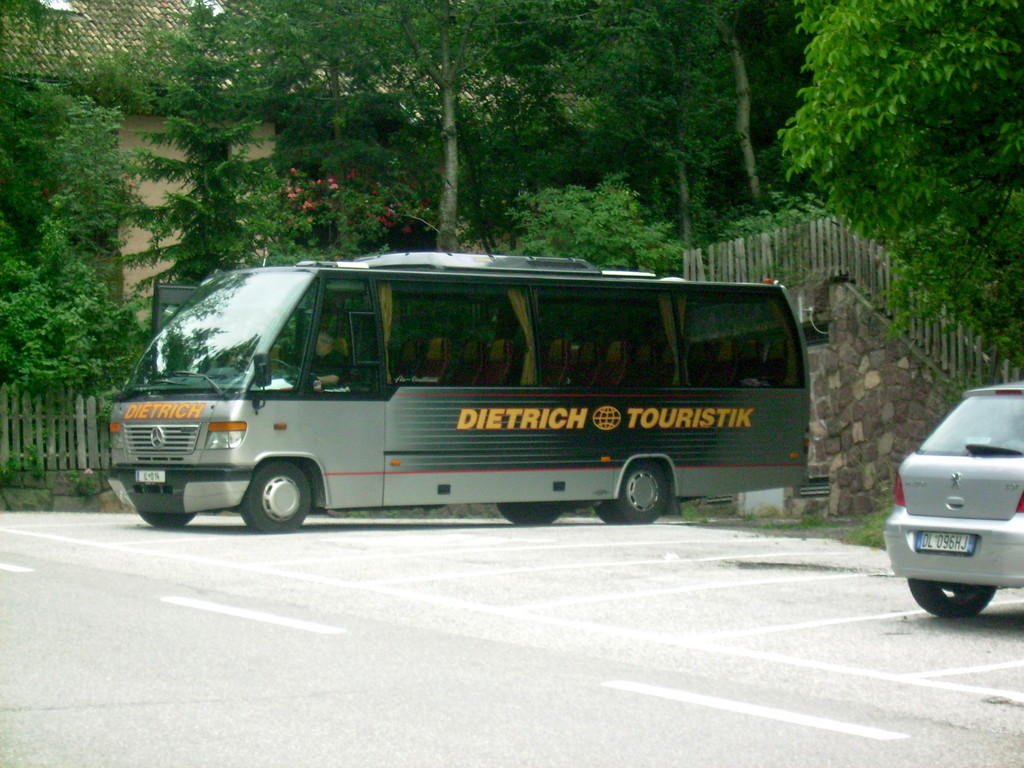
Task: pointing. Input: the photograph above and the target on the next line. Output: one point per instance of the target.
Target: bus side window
(435, 362)
(606, 337)
(460, 335)
(556, 362)
(345, 355)
(611, 368)
(468, 363)
(496, 365)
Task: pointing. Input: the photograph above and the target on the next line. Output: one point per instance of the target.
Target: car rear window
(994, 421)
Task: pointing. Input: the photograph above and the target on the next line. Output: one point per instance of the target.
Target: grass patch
(869, 532)
(807, 521)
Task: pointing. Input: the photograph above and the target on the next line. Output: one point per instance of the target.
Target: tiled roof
(95, 30)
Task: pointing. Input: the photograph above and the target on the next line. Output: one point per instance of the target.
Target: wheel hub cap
(642, 491)
(280, 498)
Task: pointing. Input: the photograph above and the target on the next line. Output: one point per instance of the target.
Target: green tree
(61, 321)
(516, 131)
(605, 226)
(725, 14)
(502, 97)
(448, 43)
(658, 94)
(914, 126)
(652, 81)
(213, 221)
(58, 325)
(91, 197)
(62, 199)
(343, 111)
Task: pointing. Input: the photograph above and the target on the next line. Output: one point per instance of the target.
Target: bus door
(334, 407)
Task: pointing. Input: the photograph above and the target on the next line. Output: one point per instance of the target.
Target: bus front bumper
(180, 489)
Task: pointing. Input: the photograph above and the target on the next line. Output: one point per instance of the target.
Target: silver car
(957, 530)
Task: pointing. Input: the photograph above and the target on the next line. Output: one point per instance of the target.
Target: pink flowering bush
(344, 215)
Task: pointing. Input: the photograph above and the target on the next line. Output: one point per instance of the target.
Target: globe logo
(607, 417)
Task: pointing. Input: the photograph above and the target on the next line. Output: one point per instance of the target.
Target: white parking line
(967, 670)
(755, 710)
(431, 540)
(244, 613)
(14, 568)
(799, 626)
(523, 615)
(544, 547)
(723, 584)
(667, 559)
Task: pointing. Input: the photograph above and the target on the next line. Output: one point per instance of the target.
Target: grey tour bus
(423, 379)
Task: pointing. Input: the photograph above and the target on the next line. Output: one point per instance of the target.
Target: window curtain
(665, 303)
(517, 298)
(384, 294)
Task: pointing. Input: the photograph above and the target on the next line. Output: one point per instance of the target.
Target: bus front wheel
(278, 498)
(531, 512)
(644, 496)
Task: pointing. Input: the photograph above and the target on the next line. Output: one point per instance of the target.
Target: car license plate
(150, 476)
(948, 543)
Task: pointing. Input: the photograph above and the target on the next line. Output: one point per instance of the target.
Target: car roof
(1013, 387)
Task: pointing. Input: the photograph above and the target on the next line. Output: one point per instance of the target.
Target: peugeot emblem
(157, 437)
(955, 479)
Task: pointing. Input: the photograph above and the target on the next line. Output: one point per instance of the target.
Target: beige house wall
(132, 136)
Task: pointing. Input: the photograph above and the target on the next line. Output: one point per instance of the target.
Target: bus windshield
(208, 346)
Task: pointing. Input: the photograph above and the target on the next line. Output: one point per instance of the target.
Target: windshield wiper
(153, 386)
(216, 387)
(979, 449)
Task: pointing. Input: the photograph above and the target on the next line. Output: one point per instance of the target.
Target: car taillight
(901, 500)
(1020, 505)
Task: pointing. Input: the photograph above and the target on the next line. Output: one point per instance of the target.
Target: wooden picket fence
(59, 430)
(824, 249)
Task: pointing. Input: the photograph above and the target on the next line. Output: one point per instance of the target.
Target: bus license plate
(150, 476)
(949, 543)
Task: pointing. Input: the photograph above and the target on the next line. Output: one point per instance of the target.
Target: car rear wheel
(951, 601)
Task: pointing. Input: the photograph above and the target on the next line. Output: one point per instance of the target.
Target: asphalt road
(477, 643)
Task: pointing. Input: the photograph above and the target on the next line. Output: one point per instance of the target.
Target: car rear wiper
(979, 449)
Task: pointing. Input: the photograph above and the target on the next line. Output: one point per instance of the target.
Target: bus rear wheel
(278, 498)
(167, 519)
(531, 512)
(643, 497)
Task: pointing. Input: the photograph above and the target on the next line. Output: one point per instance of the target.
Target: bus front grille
(160, 441)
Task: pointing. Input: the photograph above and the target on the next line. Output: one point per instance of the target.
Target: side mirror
(261, 362)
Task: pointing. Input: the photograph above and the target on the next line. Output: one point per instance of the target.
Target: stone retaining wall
(64, 491)
(874, 399)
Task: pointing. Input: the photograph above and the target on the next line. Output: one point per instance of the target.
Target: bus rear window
(739, 340)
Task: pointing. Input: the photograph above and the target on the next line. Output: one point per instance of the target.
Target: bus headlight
(221, 435)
